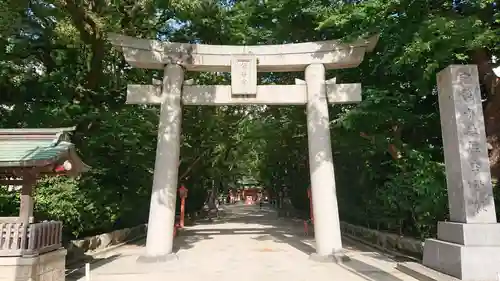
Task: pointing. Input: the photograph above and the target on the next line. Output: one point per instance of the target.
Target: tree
(57, 69)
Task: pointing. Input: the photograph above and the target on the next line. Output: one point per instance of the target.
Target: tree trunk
(493, 137)
(491, 83)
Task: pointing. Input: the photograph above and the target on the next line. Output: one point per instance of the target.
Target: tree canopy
(58, 69)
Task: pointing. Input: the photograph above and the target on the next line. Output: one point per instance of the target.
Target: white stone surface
(266, 94)
(223, 95)
(470, 234)
(244, 75)
(326, 216)
(143, 53)
(467, 247)
(470, 192)
(162, 206)
(247, 244)
(468, 263)
(343, 93)
(143, 94)
(48, 266)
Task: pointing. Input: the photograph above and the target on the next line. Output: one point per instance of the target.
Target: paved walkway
(245, 244)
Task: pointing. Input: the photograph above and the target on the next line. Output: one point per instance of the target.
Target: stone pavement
(244, 244)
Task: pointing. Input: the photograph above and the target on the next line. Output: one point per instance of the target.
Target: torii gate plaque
(243, 62)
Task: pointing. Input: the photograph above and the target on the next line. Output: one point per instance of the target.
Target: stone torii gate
(243, 62)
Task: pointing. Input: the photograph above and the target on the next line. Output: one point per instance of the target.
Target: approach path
(245, 244)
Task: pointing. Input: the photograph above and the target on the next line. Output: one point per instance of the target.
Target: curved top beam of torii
(153, 54)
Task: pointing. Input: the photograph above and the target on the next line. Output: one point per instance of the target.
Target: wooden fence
(19, 239)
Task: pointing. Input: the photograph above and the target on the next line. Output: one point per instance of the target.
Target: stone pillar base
(157, 259)
(333, 258)
(465, 251)
(48, 266)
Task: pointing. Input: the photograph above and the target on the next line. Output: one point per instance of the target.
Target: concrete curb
(423, 273)
(94, 254)
(379, 248)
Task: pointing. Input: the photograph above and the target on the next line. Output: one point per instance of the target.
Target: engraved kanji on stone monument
(468, 244)
(466, 155)
(473, 147)
(244, 75)
(470, 121)
(475, 166)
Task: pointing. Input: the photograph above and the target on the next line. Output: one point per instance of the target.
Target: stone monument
(467, 246)
(243, 62)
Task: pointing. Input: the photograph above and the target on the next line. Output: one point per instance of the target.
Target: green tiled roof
(33, 147)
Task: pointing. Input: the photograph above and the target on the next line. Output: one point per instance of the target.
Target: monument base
(469, 234)
(157, 259)
(423, 273)
(469, 263)
(334, 258)
(47, 266)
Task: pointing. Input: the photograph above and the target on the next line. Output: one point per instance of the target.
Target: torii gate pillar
(160, 232)
(326, 213)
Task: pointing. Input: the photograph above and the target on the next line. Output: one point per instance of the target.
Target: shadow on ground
(76, 270)
(281, 230)
(263, 225)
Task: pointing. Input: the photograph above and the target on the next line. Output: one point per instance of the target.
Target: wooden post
(182, 194)
(311, 213)
(27, 203)
(183, 205)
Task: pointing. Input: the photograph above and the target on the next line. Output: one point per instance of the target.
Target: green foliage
(9, 201)
(57, 69)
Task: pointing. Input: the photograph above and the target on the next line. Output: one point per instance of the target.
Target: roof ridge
(36, 131)
(56, 139)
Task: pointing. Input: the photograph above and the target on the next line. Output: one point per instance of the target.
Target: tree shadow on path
(265, 223)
